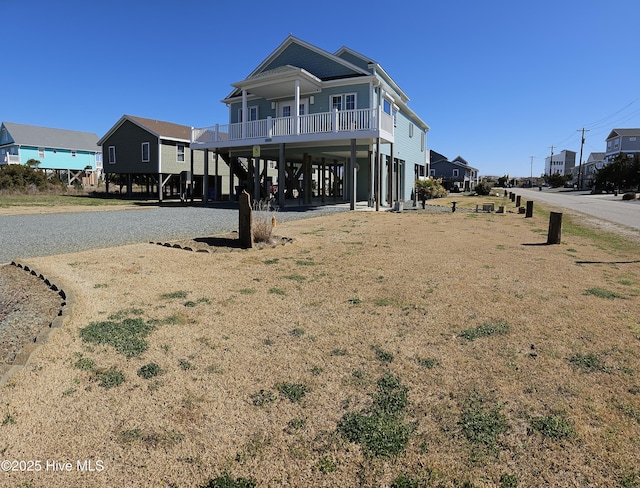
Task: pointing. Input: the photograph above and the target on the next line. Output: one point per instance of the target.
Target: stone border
(66, 308)
(212, 249)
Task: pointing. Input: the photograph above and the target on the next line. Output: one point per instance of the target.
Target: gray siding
(128, 141)
(321, 66)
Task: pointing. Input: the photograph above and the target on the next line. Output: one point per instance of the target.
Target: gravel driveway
(25, 236)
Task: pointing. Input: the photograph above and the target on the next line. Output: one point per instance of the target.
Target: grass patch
(355, 301)
(588, 363)
(8, 419)
(272, 261)
(110, 378)
(187, 365)
(381, 431)
(485, 330)
(262, 398)
(295, 277)
(297, 332)
(174, 294)
(338, 352)
(294, 392)
(327, 465)
(277, 291)
(226, 481)
(305, 262)
(150, 370)
(554, 427)
(127, 336)
(428, 363)
(85, 364)
(603, 293)
(482, 423)
(247, 291)
(382, 355)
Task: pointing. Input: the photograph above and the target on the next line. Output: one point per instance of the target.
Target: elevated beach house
(336, 126)
(155, 157)
(73, 156)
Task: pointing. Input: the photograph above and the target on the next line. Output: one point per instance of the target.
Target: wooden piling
(555, 228)
(529, 209)
(245, 221)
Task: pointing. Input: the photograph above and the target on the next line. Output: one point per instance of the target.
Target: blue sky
(497, 81)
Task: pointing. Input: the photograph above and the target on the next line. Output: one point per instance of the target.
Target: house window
(41, 152)
(145, 152)
(432, 172)
(423, 141)
(286, 111)
(632, 139)
(112, 154)
(336, 102)
(180, 153)
(345, 101)
(455, 173)
(386, 106)
(411, 130)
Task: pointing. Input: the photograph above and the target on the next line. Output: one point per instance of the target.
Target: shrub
(263, 222)
(16, 177)
(483, 188)
(629, 196)
(430, 188)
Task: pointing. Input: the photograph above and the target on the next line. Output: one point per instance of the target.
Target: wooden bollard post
(555, 228)
(529, 209)
(518, 200)
(512, 196)
(245, 220)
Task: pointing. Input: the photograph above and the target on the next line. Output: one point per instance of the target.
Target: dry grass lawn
(376, 349)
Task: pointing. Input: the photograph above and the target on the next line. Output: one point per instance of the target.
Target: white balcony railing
(323, 123)
(11, 159)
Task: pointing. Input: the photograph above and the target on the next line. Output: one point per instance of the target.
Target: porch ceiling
(280, 83)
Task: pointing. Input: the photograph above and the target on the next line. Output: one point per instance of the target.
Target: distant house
(456, 175)
(334, 124)
(622, 141)
(595, 162)
(156, 156)
(72, 155)
(561, 163)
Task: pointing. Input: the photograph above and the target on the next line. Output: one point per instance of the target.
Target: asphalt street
(605, 206)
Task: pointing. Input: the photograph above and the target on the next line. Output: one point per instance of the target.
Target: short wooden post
(512, 196)
(245, 220)
(555, 228)
(518, 200)
(529, 209)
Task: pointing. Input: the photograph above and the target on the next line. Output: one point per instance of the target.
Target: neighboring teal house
(336, 126)
(74, 156)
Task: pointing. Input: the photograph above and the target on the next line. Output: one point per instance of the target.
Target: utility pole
(532, 171)
(551, 162)
(580, 165)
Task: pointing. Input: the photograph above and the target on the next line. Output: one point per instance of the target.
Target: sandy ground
(230, 326)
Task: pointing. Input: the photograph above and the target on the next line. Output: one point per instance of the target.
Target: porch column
(335, 180)
(371, 178)
(244, 112)
(205, 178)
(256, 178)
(160, 186)
(352, 183)
(231, 166)
(377, 176)
(322, 180)
(193, 176)
(218, 187)
(392, 180)
(282, 176)
(297, 109)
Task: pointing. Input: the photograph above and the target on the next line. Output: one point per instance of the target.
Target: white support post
(297, 107)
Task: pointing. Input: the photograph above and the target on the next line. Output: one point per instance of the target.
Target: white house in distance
(561, 164)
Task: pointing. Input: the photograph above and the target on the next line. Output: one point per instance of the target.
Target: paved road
(25, 236)
(604, 206)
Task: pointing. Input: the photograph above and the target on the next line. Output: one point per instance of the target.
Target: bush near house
(484, 188)
(430, 188)
(21, 178)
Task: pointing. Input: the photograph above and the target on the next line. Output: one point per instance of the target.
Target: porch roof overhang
(277, 83)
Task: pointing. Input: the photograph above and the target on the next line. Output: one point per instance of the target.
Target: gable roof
(162, 130)
(623, 132)
(31, 135)
(435, 157)
(459, 161)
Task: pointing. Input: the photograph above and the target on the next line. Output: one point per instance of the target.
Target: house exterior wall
(408, 147)
(62, 159)
(627, 144)
(128, 139)
(314, 62)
